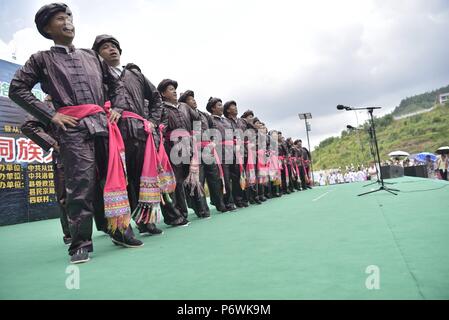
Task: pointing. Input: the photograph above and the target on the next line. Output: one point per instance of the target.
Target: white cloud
(24, 43)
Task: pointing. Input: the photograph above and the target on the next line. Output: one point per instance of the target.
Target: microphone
(342, 107)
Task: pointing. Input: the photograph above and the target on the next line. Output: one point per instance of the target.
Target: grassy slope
(419, 102)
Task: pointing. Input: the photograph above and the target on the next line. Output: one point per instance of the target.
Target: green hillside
(423, 132)
(419, 102)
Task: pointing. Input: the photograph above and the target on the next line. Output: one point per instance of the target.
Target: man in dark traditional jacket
(294, 179)
(250, 146)
(296, 154)
(209, 170)
(226, 147)
(273, 148)
(144, 101)
(177, 119)
(75, 80)
(306, 158)
(285, 168)
(237, 169)
(262, 168)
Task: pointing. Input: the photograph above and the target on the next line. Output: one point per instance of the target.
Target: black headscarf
(165, 83)
(185, 95)
(247, 113)
(211, 103)
(227, 105)
(131, 66)
(101, 39)
(45, 13)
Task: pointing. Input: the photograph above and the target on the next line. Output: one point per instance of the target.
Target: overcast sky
(278, 58)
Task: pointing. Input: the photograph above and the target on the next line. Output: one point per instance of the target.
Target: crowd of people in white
(351, 174)
(436, 169)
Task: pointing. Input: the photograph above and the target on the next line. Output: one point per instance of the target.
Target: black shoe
(184, 223)
(309, 187)
(202, 214)
(252, 201)
(181, 222)
(153, 230)
(67, 240)
(242, 204)
(257, 201)
(80, 256)
(222, 209)
(199, 214)
(263, 199)
(143, 230)
(231, 207)
(120, 239)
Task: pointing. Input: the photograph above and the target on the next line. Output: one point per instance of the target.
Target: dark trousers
(283, 180)
(212, 176)
(85, 166)
(237, 192)
(61, 197)
(61, 194)
(297, 184)
(287, 186)
(291, 185)
(251, 193)
(197, 201)
(296, 180)
(135, 155)
(268, 190)
(174, 209)
(261, 190)
(227, 197)
(181, 172)
(302, 174)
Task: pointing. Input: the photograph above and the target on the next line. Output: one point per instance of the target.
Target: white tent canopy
(399, 154)
(444, 149)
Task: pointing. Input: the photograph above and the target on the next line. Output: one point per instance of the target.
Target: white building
(443, 98)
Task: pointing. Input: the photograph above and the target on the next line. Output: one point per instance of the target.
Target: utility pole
(305, 117)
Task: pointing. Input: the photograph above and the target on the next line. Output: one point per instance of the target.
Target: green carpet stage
(308, 245)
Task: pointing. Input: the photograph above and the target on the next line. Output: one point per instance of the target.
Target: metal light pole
(305, 117)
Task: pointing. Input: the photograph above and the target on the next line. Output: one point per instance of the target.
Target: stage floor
(315, 244)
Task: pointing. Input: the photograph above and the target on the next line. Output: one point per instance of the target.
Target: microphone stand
(371, 146)
(377, 159)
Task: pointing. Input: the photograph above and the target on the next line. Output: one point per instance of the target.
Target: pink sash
(116, 204)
